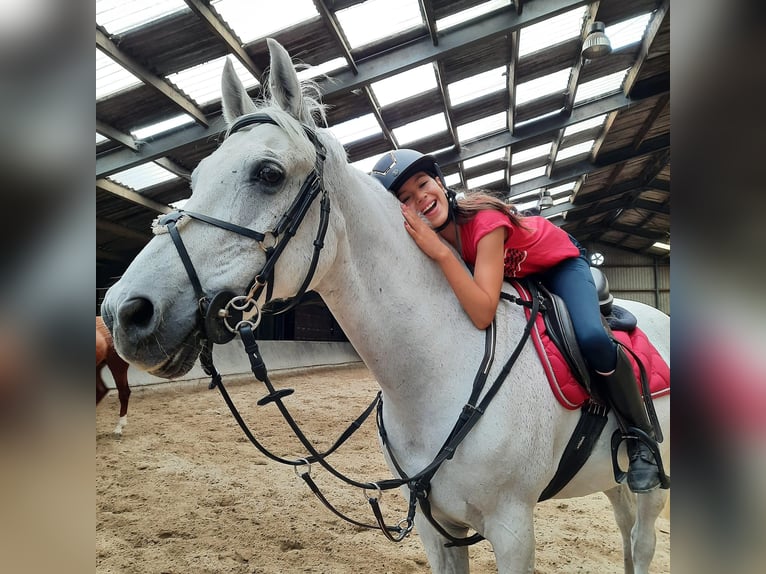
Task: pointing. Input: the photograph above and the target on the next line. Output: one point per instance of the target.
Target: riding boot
(622, 391)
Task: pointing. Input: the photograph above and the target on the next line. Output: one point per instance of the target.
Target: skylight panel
(484, 158)
(536, 119)
(585, 125)
(628, 31)
(556, 82)
(531, 153)
(527, 196)
(367, 163)
(529, 204)
(470, 14)
(526, 175)
(203, 82)
(161, 127)
(574, 150)
(143, 176)
(404, 85)
(566, 189)
(356, 129)
(100, 139)
(552, 31)
(476, 86)
(111, 77)
(255, 19)
(490, 124)
(372, 20)
(486, 179)
(420, 129)
(527, 200)
(118, 16)
(322, 69)
(452, 179)
(600, 86)
(661, 245)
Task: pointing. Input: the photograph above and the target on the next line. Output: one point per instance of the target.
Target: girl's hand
(425, 237)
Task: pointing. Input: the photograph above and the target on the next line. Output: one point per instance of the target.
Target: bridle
(221, 318)
(217, 313)
(222, 313)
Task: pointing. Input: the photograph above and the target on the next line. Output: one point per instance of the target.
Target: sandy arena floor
(183, 491)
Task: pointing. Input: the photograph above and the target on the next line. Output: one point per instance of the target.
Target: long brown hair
(478, 200)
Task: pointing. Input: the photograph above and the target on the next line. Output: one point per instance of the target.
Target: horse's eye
(269, 174)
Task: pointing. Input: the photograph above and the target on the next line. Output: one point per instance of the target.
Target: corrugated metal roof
(621, 101)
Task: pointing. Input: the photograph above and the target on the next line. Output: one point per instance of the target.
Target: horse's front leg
(624, 507)
(453, 560)
(511, 532)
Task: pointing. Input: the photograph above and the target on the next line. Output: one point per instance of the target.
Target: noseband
(222, 314)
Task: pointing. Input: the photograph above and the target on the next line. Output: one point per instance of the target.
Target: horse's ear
(284, 85)
(235, 100)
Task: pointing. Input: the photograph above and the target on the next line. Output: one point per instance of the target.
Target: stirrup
(634, 433)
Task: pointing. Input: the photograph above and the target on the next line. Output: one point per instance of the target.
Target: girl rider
(498, 244)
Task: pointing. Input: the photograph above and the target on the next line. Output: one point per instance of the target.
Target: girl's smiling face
(425, 194)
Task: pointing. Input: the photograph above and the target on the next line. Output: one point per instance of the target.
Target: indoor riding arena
(246, 303)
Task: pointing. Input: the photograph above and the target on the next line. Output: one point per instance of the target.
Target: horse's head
(249, 228)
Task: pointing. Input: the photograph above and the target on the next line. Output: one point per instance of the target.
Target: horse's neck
(396, 307)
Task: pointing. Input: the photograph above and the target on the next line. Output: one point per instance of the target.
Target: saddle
(559, 328)
(568, 374)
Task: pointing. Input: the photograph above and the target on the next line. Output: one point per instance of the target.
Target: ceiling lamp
(596, 44)
(545, 200)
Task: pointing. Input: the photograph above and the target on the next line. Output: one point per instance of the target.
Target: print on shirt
(513, 259)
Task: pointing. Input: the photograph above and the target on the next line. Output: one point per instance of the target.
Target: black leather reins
(216, 313)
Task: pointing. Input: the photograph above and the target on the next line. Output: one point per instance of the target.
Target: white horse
(401, 317)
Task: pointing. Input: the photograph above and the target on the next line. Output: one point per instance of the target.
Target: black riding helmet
(397, 166)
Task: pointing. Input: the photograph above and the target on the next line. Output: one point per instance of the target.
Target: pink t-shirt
(534, 250)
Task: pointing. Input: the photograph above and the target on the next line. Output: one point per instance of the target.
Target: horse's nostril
(137, 312)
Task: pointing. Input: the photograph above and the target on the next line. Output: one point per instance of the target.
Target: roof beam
(510, 84)
(202, 9)
(650, 119)
(427, 9)
(628, 229)
(173, 168)
(584, 167)
(659, 185)
(450, 114)
(160, 84)
(133, 196)
(331, 21)
(111, 163)
(651, 32)
(121, 230)
(609, 192)
(114, 134)
(656, 143)
(590, 209)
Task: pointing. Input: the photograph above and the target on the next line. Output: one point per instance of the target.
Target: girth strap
(587, 432)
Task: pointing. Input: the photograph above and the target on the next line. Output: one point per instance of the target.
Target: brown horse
(107, 356)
